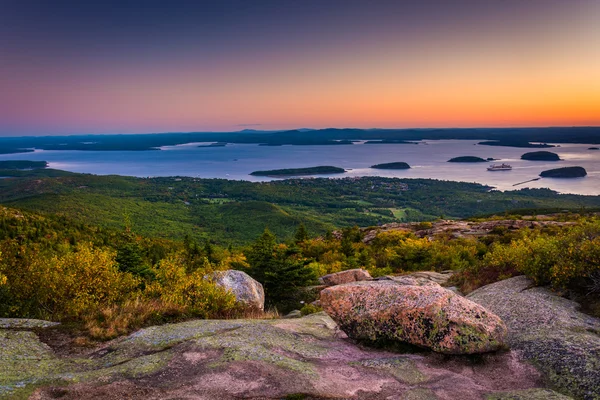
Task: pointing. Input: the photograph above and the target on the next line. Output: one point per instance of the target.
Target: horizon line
(299, 129)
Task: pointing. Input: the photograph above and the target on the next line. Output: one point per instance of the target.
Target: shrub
(310, 309)
(120, 319)
(59, 286)
(198, 296)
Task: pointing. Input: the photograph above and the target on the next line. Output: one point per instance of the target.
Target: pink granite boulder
(426, 316)
(351, 275)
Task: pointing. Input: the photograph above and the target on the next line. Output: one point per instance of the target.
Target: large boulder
(427, 316)
(351, 275)
(245, 289)
(550, 331)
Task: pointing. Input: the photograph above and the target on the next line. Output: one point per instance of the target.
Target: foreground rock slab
(427, 316)
(547, 329)
(245, 289)
(252, 359)
(25, 323)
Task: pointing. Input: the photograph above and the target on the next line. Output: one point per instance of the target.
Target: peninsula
(22, 164)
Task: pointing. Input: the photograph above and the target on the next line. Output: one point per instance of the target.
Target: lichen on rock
(550, 331)
(245, 289)
(427, 316)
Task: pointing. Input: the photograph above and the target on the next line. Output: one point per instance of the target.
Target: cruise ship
(499, 167)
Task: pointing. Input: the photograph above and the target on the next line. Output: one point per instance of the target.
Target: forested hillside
(236, 212)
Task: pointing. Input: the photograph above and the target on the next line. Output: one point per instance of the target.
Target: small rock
(351, 275)
(25, 323)
(436, 277)
(245, 289)
(293, 314)
(412, 281)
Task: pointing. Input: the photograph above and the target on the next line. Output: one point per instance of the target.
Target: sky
(69, 67)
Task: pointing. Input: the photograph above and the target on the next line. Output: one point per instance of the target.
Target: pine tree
(281, 270)
(301, 234)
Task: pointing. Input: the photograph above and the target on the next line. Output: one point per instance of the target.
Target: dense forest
(236, 212)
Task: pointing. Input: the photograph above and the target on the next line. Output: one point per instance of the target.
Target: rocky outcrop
(252, 359)
(351, 275)
(427, 316)
(420, 278)
(461, 228)
(548, 330)
(245, 289)
(25, 323)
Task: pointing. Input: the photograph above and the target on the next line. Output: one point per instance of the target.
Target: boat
(499, 167)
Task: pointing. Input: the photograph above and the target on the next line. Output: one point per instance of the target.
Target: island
(320, 170)
(22, 164)
(392, 165)
(565, 172)
(594, 148)
(467, 159)
(540, 156)
(515, 143)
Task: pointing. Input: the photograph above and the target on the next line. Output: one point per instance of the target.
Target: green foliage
(566, 258)
(301, 234)
(237, 212)
(62, 285)
(22, 164)
(282, 270)
(310, 309)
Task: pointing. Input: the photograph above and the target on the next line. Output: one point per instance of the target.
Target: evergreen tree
(281, 270)
(301, 234)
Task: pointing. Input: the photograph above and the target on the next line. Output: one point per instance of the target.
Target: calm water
(427, 159)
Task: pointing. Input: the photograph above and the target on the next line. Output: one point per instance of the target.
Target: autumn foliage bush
(84, 283)
(567, 259)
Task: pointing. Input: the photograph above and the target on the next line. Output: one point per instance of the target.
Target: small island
(565, 172)
(320, 170)
(594, 148)
(22, 164)
(540, 156)
(392, 165)
(467, 159)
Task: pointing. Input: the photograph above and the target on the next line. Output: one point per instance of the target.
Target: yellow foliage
(199, 296)
(234, 261)
(119, 319)
(67, 285)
